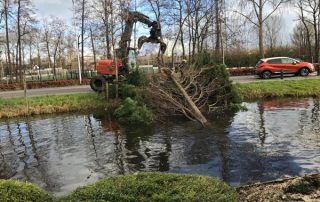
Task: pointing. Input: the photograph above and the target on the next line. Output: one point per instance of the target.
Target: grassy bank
(13, 107)
(138, 187)
(285, 88)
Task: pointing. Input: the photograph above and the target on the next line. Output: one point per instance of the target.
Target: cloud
(58, 8)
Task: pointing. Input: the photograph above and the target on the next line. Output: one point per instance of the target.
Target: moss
(155, 187)
(15, 191)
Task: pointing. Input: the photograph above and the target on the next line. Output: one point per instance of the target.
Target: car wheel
(304, 71)
(266, 74)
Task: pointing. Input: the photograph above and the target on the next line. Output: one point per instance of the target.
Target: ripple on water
(271, 140)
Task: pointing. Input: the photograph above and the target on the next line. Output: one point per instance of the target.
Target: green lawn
(13, 107)
(284, 88)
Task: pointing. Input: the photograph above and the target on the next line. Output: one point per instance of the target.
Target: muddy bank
(305, 188)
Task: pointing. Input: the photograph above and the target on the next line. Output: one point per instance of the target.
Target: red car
(267, 67)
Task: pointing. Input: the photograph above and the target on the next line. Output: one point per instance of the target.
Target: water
(273, 139)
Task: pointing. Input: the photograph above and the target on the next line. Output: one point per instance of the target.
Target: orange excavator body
(106, 69)
(108, 66)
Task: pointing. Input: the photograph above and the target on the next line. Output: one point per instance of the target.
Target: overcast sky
(62, 9)
(58, 8)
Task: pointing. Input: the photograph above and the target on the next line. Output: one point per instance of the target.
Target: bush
(131, 112)
(137, 78)
(155, 187)
(12, 190)
(128, 90)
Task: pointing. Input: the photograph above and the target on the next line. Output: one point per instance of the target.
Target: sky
(58, 8)
(63, 10)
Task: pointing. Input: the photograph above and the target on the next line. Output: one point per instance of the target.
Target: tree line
(236, 33)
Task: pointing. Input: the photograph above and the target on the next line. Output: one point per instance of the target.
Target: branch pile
(207, 90)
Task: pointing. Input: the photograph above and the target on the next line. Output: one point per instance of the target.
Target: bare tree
(24, 19)
(300, 39)
(82, 10)
(6, 15)
(255, 11)
(310, 18)
(273, 28)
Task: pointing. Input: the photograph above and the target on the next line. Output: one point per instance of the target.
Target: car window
(275, 61)
(287, 60)
(260, 62)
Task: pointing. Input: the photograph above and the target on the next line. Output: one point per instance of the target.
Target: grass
(12, 190)
(279, 89)
(130, 188)
(13, 107)
(155, 187)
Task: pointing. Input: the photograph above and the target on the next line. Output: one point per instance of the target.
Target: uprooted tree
(194, 92)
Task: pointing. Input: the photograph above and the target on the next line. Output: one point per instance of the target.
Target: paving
(254, 78)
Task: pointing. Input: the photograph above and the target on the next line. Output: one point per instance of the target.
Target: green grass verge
(13, 107)
(139, 187)
(155, 187)
(285, 88)
(12, 190)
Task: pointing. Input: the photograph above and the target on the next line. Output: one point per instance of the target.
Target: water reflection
(272, 139)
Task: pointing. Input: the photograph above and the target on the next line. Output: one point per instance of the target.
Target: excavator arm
(155, 33)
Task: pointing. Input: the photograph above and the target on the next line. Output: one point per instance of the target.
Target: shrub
(137, 78)
(128, 90)
(155, 187)
(12, 190)
(132, 112)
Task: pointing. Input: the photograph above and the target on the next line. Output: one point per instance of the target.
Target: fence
(48, 75)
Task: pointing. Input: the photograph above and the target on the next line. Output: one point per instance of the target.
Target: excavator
(125, 56)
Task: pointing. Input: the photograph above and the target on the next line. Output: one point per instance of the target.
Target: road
(86, 88)
(249, 79)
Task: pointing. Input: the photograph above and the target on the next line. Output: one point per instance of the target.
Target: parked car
(267, 67)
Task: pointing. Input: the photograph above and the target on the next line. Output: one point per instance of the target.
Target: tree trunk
(93, 49)
(260, 27)
(82, 34)
(48, 51)
(6, 13)
(181, 33)
(218, 28)
(316, 39)
(19, 41)
(106, 18)
(196, 112)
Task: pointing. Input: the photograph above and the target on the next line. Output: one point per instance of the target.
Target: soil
(304, 189)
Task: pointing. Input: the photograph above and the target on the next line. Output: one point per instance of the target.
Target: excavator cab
(132, 59)
(125, 60)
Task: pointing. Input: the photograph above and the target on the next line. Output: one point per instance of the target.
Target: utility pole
(77, 40)
(79, 66)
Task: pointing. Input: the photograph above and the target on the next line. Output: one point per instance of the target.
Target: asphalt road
(86, 88)
(248, 79)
